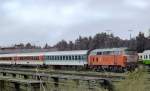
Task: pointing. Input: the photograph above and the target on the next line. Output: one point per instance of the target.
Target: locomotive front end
(131, 59)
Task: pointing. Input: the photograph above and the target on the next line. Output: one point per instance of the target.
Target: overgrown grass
(136, 81)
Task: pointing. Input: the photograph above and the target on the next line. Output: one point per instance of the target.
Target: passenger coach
(145, 57)
(66, 58)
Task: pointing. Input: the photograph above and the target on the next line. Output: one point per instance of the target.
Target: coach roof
(74, 52)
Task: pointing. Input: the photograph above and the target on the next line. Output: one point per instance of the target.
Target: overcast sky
(41, 21)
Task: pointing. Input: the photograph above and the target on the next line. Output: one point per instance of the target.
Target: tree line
(100, 40)
(104, 40)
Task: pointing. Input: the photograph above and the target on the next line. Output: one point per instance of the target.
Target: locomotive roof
(109, 49)
(74, 52)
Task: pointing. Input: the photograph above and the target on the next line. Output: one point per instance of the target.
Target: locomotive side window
(116, 52)
(106, 53)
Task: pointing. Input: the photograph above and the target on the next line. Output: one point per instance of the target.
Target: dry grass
(136, 81)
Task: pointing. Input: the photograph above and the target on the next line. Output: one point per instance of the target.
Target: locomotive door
(115, 59)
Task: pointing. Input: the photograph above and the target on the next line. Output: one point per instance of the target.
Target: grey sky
(41, 21)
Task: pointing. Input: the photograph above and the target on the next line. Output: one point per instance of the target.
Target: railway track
(47, 72)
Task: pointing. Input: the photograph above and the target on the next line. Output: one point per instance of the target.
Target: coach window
(76, 58)
(69, 57)
(60, 57)
(56, 57)
(72, 57)
(79, 57)
(33, 58)
(66, 57)
(49, 57)
(38, 58)
(63, 57)
(46, 57)
(52, 57)
(82, 58)
(146, 56)
(141, 56)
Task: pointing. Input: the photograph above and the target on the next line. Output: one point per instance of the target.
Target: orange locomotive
(115, 59)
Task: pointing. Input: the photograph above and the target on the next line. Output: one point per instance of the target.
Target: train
(144, 57)
(108, 59)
